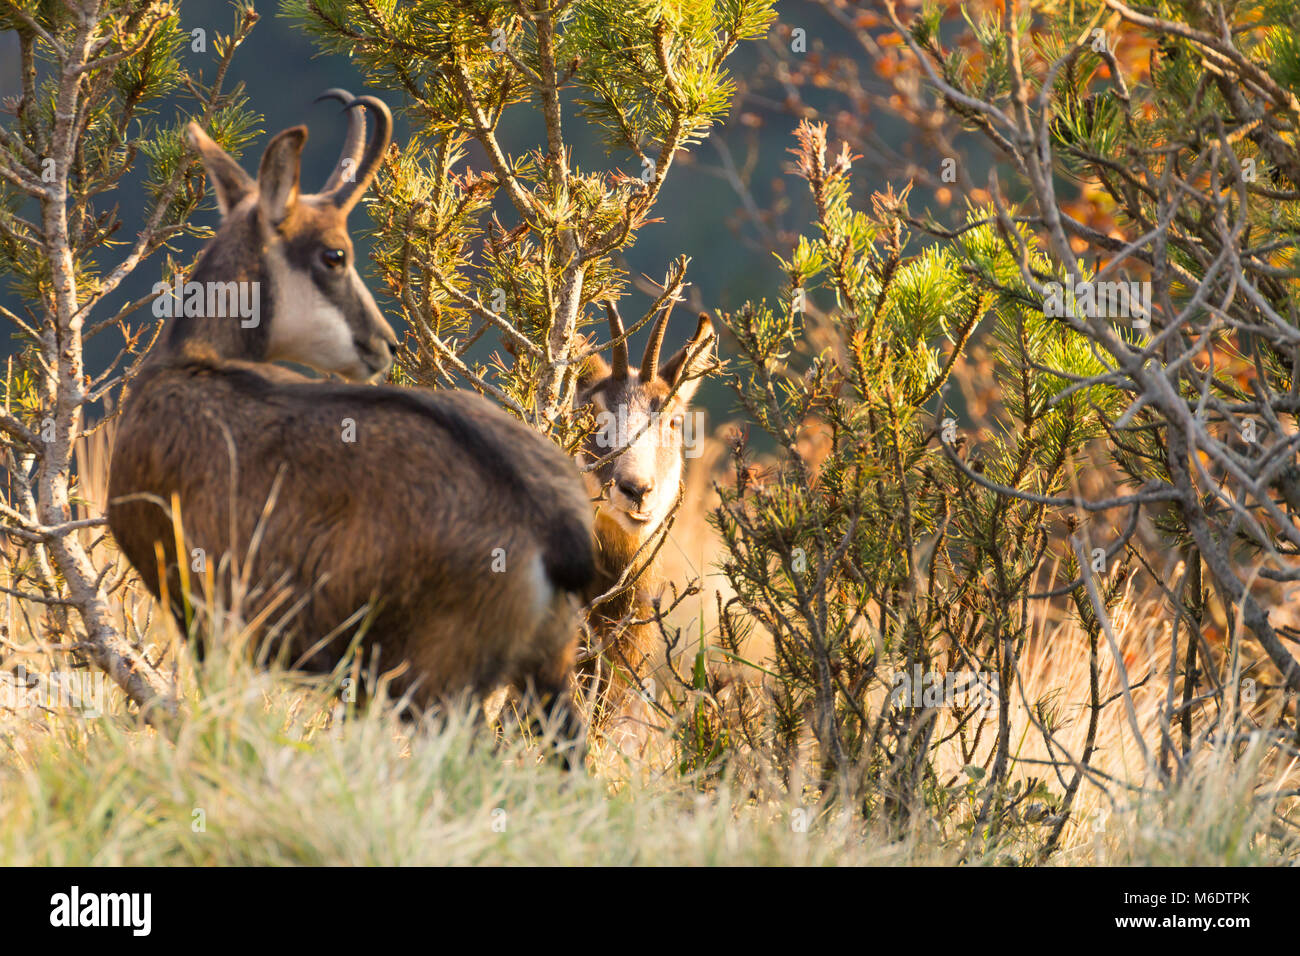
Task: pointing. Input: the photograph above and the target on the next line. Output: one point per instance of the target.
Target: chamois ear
(700, 352)
(277, 177)
(592, 370)
(230, 183)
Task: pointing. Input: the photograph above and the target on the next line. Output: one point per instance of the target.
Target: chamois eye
(677, 421)
(334, 258)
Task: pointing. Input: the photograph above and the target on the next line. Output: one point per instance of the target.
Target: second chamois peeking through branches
(634, 462)
(450, 537)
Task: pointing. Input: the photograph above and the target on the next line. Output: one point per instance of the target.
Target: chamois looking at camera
(639, 454)
(458, 535)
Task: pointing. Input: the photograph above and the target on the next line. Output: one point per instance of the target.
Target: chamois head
(641, 413)
(295, 245)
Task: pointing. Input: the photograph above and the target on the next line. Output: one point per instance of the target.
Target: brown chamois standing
(640, 417)
(459, 535)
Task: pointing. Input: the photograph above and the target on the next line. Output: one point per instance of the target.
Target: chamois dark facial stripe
(302, 257)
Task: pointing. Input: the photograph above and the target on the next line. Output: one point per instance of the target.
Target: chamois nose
(636, 489)
(376, 353)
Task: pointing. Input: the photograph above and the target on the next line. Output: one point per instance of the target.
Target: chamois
(638, 453)
(458, 535)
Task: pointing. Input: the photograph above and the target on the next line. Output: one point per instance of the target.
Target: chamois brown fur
(388, 521)
(460, 534)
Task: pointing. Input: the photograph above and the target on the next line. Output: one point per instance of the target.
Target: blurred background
(728, 204)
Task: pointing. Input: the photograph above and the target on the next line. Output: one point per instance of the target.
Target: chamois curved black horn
(354, 143)
(650, 362)
(348, 193)
(618, 351)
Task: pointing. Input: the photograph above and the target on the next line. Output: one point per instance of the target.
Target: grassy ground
(265, 769)
(258, 771)
(254, 778)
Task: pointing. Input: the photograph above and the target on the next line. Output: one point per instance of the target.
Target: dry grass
(261, 768)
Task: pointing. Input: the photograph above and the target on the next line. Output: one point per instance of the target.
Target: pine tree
(94, 78)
